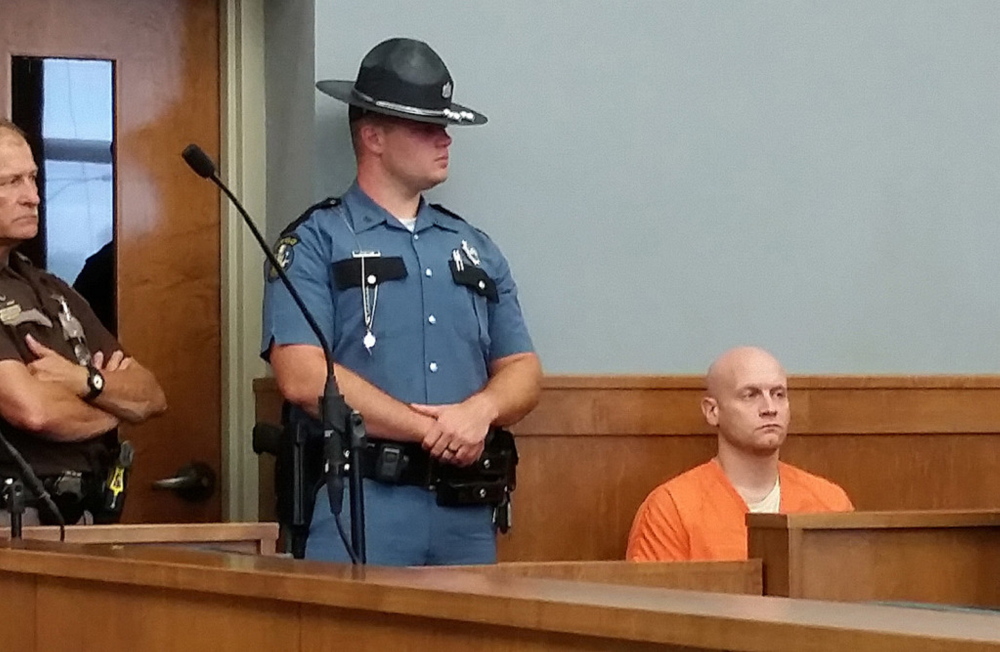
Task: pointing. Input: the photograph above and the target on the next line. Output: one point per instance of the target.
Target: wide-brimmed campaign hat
(405, 78)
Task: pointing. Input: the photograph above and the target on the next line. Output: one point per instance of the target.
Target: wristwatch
(95, 382)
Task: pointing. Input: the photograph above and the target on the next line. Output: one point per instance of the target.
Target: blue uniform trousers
(404, 526)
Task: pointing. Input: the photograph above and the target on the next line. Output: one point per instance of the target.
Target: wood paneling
(576, 496)
(166, 55)
(322, 634)
(936, 557)
(714, 576)
(91, 617)
(596, 446)
(17, 595)
(168, 599)
(248, 538)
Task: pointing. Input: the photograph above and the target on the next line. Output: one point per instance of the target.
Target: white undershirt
(409, 224)
(770, 503)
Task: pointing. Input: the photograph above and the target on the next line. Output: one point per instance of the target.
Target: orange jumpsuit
(699, 515)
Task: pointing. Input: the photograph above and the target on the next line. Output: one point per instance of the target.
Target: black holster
(73, 494)
(488, 481)
(298, 474)
(115, 487)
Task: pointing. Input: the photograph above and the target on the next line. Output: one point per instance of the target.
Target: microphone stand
(16, 500)
(340, 423)
(14, 494)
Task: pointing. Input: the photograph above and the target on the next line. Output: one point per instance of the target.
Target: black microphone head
(198, 161)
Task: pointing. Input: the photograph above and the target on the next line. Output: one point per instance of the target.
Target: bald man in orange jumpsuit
(701, 514)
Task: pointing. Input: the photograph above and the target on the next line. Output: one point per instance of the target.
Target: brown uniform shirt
(29, 304)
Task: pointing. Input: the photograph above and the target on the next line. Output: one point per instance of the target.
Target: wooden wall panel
(745, 577)
(596, 446)
(947, 557)
(576, 496)
(88, 616)
(17, 628)
(321, 634)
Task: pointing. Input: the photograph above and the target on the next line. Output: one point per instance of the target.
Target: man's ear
(371, 136)
(710, 408)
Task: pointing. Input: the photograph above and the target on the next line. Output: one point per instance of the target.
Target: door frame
(243, 167)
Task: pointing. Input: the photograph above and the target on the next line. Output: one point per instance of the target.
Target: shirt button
(428, 272)
(433, 366)
(371, 279)
(416, 236)
(432, 319)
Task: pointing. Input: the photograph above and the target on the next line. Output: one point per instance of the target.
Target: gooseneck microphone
(198, 160)
(335, 414)
(29, 478)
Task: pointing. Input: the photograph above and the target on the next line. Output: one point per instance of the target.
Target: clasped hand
(458, 434)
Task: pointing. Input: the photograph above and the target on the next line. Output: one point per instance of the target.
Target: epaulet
(329, 202)
(21, 260)
(460, 218)
(448, 212)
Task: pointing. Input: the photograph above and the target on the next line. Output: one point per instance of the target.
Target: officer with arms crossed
(701, 514)
(421, 311)
(65, 383)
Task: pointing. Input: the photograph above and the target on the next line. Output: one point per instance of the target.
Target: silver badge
(446, 91)
(73, 331)
(471, 253)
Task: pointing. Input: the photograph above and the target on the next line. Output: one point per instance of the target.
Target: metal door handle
(194, 482)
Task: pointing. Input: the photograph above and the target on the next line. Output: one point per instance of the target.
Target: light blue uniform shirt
(434, 338)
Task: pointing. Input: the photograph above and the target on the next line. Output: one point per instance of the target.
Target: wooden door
(166, 62)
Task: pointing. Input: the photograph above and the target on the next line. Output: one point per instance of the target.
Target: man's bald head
(726, 370)
(10, 130)
(747, 399)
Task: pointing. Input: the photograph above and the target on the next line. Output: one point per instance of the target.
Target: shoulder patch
(329, 202)
(284, 252)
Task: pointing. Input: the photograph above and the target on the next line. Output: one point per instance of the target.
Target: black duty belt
(73, 493)
(488, 481)
(73, 484)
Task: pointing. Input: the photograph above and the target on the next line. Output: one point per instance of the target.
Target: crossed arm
(453, 433)
(46, 396)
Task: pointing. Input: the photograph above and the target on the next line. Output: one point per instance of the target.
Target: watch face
(97, 380)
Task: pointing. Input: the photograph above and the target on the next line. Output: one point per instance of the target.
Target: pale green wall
(673, 178)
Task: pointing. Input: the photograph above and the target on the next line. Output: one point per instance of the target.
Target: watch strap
(95, 382)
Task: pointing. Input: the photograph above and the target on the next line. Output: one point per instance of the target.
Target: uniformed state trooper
(65, 383)
(420, 309)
